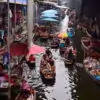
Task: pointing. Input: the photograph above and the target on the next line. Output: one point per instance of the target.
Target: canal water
(69, 84)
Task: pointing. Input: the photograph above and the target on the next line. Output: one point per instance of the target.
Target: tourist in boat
(62, 43)
(66, 52)
(25, 88)
(55, 40)
(67, 41)
(74, 51)
(32, 60)
(70, 54)
(44, 60)
(51, 61)
(48, 53)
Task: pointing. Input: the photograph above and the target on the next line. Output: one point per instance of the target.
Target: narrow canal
(69, 84)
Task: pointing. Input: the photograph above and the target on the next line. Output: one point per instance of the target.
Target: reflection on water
(63, 87)
(64, 24)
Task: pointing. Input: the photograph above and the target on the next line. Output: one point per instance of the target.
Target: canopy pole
(8, 43)
(15, 14)
(30, 13)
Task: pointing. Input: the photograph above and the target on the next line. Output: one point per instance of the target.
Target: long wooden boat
(69, 62)
(72, 60)
(48, 71)
(30, 96)
(62, 50)
(85, 43)
(93, 36)
(6, 82)
(91, 48)
(55, 43)
(90, 66)
(44, 35)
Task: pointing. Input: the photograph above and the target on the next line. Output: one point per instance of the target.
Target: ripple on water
(63, 86)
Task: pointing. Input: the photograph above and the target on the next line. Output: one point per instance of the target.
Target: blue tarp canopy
(49, 19)
(48, 15)
(18, 1)
(50, 11)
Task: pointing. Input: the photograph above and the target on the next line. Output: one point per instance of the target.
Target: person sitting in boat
(32, 60)
(48, 52)
(55, 40)
(67, 41)
(66, 52)
(25, 88)
(62, 43)
(74, 51)
(70, 54)
(44, 60)
(51, 61)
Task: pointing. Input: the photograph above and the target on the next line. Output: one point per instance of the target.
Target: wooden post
(8, 43)
(30, 21)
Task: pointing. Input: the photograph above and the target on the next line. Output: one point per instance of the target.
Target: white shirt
(10, 14)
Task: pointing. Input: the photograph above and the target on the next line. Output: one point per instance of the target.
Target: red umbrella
(35, 49)
(18, 49)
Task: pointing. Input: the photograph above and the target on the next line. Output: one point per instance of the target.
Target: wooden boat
(69, 62)
(4, 83)
(91, 48)
(48, 71)
(72, 60)
(55, 44)
(68, 42)
(22, 96)
(51, 35)
(62, 50)
(44, 35)
(87, 42)
(95, 36)
(92, 67)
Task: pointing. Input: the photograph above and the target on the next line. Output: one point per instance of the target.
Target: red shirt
(31, 58)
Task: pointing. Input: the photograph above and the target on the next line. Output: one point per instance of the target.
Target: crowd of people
(91, 25)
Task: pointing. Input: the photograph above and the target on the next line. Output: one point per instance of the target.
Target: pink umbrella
(35, 49)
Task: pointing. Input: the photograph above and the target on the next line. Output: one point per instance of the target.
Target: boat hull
(69, 62)
(87, 49)
(54, 45)
(90, 72)
(21, 97)
(47, 76)
(62, 50)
